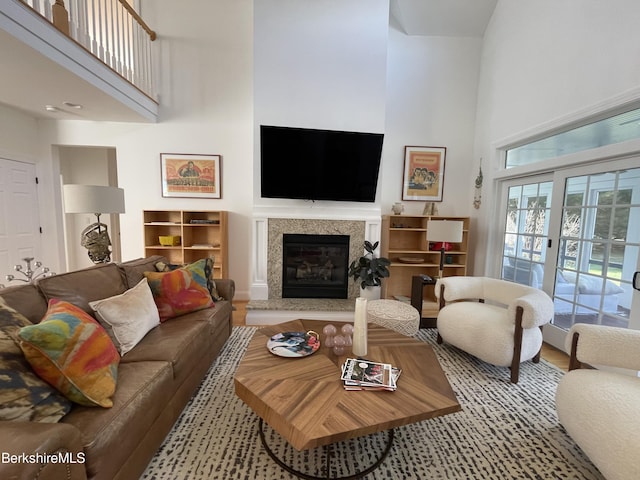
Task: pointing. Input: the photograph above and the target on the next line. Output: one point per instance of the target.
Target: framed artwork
(423, 173)
(190, 175)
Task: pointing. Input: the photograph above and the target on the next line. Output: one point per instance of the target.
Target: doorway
(88, 166)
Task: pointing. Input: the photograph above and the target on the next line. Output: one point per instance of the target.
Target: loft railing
(111, 30)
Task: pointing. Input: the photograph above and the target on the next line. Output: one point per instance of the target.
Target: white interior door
(19, 216)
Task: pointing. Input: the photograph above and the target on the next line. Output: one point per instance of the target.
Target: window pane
(615, 129)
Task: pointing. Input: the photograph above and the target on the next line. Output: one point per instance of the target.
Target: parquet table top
(303, 399)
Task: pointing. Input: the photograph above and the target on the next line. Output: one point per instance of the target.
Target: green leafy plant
(368, 269)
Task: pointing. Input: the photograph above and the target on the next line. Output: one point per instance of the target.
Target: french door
(575, 234)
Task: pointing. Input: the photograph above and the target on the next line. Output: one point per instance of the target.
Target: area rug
(504, 431)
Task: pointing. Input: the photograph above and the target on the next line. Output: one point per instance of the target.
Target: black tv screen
(312, 164)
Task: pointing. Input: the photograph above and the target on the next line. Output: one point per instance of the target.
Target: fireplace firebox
(314, 266)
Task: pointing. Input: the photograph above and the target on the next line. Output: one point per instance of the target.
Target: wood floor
(549, 353)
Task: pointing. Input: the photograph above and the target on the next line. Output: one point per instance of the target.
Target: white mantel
(370, 214)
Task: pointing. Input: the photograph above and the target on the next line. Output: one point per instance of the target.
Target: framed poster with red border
(423, 178)
(191, 175)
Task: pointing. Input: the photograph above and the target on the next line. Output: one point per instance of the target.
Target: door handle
(636, 280)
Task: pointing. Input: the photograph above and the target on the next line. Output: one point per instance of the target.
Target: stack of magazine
(359, 374)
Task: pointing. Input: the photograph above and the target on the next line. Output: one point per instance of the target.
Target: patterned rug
(504, 431)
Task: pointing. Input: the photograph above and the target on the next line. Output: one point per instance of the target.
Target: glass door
(526, 230)
(576, 235)
(598, 249)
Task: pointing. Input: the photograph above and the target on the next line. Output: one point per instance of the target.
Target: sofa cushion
(129, 316)
(181, 342)
(26, 299)
(177, 293)
(202, 270)
(84, 286)
(110, 436)
(23, 395)
(72, 352)
(133, 270)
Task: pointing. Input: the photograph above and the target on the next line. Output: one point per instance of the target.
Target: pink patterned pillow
(72, 352)
(177, 293)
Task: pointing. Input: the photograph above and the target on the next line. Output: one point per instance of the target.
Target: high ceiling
(30, 81)
(447, 18)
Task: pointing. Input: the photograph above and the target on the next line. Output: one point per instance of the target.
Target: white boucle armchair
(499, 322)
(600, 409)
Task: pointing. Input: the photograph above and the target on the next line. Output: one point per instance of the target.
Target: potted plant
(369, 270)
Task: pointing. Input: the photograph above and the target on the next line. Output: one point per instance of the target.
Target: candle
(359, 347)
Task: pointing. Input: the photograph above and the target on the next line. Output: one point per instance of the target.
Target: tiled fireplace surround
(267, 305)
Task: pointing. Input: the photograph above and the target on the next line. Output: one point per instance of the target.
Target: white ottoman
(395, 315)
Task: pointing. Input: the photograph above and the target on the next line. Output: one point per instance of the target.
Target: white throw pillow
(129, 316)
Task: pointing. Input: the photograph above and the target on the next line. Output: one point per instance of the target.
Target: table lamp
(94, 199)
(444, 232)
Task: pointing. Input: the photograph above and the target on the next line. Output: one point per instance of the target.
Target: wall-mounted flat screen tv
(310, 164)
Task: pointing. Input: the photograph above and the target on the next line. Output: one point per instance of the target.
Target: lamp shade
(93, 199)
(444, 231)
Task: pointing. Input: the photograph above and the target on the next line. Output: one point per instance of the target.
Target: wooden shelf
(202, 234)
(406, 236)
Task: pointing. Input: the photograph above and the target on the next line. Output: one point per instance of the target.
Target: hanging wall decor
(423, 173)
(477, 197)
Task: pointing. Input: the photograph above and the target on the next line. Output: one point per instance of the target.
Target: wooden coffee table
(303, 399)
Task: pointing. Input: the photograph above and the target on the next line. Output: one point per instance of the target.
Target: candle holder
(30, 273)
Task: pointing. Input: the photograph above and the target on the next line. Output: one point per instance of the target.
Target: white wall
(319, 64)
(545, 60)
(431, 102)
(206, 107)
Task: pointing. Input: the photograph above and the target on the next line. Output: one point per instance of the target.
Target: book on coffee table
(359, 374)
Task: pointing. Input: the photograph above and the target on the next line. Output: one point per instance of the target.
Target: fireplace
(314, 266)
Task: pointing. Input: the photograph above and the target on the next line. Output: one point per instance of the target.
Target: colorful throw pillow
(129, 316)
(177, 293)
(23, 395)
(203, 273)
(72, 351)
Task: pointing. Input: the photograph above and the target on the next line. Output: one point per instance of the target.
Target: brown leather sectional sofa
(155, 380)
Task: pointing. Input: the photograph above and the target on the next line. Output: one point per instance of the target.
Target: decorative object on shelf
(423, 173)
(359, 347)
(397, 208)
(30, 273)
(444, 232)
(369, 270)
(169, 240)
(190, 175)
(410, 259)
(96, 199)
(477, 197)
(430, 208)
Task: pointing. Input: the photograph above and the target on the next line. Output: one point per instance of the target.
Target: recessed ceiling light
(51, 108)
(72, 105)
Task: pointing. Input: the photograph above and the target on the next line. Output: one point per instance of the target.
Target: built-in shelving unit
(404, 242)
(202, 234)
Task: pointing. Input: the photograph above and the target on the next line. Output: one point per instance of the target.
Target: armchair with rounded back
(598, 399)
(497, 321)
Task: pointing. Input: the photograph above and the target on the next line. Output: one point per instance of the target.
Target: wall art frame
(423, 178)
(186, 175)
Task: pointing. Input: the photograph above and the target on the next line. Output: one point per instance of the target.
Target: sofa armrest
(226, 288)
(32, 450)
(603, 345)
